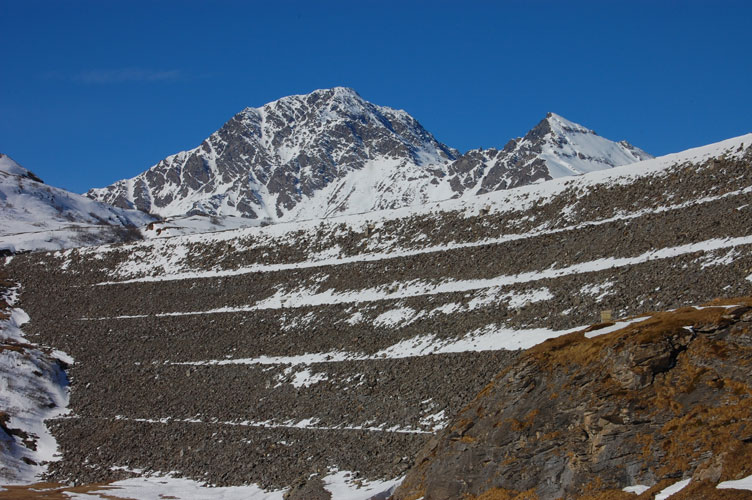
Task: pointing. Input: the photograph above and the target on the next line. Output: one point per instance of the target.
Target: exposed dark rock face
(664, 398)
(265, 161)
(331, 152)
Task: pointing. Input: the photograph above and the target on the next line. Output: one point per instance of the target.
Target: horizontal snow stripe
(738, 484)
(670, 490)
(305, 424)
(264, 268)
(615, 327)
(304, 298)
(343, 485)
(490, 338)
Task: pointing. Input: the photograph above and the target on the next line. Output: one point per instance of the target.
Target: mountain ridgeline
(331, 152)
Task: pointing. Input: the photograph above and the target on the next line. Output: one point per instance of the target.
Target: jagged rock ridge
(331, 152)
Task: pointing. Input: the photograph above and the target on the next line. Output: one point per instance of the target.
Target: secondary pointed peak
(561, 125)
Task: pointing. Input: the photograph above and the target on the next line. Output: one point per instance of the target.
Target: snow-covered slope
(36, 216)
(173, 258)
(33, 388)
(195, 224)
(9, 166)
(331, 152)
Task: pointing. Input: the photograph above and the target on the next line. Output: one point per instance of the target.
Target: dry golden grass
(575, 349)
(501, 494)
(54, 491)
(415, 495)
(610, 495)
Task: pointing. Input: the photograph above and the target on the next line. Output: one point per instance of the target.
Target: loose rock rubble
(152, 388)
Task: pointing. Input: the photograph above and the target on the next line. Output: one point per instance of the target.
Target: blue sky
(95, 91)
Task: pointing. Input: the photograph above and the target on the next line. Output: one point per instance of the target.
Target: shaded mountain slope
(33, 388)
(36, 216)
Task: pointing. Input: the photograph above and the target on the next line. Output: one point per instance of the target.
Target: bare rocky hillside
(265, 355)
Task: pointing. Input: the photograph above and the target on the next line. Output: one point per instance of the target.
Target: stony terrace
(262, 355)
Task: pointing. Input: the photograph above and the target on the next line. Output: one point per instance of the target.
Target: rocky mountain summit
(265, 161)
(331, 152)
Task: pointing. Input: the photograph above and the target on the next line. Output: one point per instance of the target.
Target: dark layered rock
(665, 398)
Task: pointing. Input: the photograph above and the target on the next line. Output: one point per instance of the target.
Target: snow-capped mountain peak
(571, 149)
(561, 125)
(332, 152)
(277, 161)
(291, 124)
(555, 147)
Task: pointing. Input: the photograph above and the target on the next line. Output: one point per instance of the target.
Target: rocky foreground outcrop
(667, 397)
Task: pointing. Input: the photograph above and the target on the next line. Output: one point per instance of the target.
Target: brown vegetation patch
(501, 494)
(575, 349)
(518, 425)
(12, 347)
(54, 491)
(611, 495)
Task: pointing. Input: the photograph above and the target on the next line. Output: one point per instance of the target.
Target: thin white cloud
(118, 75)
(126, 75)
